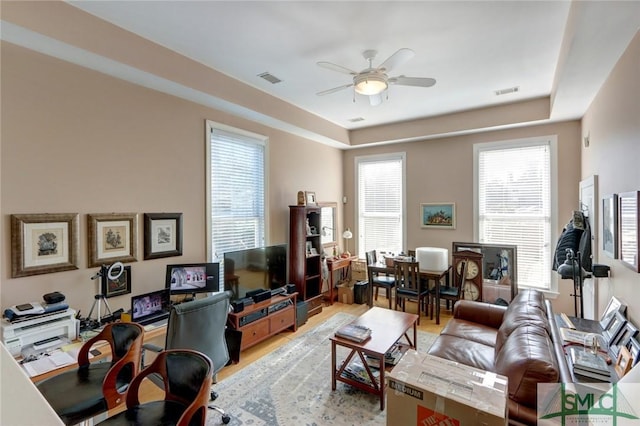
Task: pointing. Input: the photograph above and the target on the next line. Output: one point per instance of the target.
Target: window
(380, 188)
(514, 187)
(235, 190)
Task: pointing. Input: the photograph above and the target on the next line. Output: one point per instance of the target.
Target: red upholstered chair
(96, 387)
(186, 377)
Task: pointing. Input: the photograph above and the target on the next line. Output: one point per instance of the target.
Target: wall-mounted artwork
(629, 228)
(43, 243)
(438, 215)
(113, 237)
(162, 235)
(610, 225)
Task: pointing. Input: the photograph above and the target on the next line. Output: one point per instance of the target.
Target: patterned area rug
(292, 386)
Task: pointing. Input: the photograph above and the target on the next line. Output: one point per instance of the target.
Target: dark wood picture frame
(162, 235)
(113, 237)
(44, 243)
(629, 229)
(610, 225)
(119, 286)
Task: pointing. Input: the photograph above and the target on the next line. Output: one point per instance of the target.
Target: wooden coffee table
(387, 328)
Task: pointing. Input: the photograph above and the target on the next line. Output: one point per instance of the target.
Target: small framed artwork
(43, 243)
(113, 237)
(438, 215)
(623, 362)
(634, 349)
(310, 198)
(610, 226)
(614, 306)
(629, 228)
(615, 326)
(118, 286)
(162, 235)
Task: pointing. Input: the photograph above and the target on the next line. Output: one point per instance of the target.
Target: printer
(39, 331)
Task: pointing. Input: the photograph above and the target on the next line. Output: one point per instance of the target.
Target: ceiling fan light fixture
(370, 84)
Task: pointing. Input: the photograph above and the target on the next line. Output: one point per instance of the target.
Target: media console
(264, 319)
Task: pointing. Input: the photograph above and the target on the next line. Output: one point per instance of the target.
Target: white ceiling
(559, 50)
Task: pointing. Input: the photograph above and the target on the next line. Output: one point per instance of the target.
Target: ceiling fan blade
(375, 100)
(335, 89)
(398, 58)
(412, 81)
(333, 67)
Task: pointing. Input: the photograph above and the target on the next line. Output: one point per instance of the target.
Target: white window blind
(236, 190)
(380, 192)
(514, 205)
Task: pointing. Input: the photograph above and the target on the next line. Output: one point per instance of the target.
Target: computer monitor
(193, 278)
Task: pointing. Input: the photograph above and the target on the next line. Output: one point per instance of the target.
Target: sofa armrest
(479, 312)
(558, 347)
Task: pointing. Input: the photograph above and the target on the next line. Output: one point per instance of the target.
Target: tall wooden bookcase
(305, 265)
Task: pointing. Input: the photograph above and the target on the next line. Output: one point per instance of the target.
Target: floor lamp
(572, 268)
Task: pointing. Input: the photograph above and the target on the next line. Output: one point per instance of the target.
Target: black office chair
(200, 325)
(186, 380)
(96, 387)
(379, 280)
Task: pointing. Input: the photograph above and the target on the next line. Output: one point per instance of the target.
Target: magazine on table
(586, 361)
(357, 333)
(570, 335)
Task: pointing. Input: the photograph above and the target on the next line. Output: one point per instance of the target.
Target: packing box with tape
(427, 390)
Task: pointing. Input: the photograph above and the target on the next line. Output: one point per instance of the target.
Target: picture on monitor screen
(192, 278)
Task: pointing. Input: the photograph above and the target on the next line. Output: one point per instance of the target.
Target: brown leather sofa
(519, 341)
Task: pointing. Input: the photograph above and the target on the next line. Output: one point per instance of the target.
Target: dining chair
(450, 293)
(96, 387)
(186, 380)
(409, 286)
(379, 280)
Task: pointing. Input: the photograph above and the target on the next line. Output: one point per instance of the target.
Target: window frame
(552, 142)
(211, 255)
(402, 156)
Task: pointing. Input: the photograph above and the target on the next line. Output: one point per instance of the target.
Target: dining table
(382, 267)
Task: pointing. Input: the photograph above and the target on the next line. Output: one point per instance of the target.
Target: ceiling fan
(373, 81)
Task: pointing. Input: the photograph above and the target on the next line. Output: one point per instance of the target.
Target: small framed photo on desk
(624, 362)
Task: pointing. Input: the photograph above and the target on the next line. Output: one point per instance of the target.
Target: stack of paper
(357, 333)
(588, 364)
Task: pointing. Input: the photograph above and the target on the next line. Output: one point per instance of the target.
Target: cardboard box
(427, 390)
(345, 293)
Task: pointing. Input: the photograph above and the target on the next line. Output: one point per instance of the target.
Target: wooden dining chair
(379, 280)
(409, 286)
(451, 293)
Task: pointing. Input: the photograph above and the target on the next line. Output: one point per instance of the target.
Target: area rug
(292, 386)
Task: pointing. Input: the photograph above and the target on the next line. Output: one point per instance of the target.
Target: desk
(436, 276)
(387, 327)
(337, 264)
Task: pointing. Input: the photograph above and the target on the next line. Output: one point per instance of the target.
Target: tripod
(104, 273)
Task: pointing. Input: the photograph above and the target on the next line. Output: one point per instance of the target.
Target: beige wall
(612, 124)
(75, 140)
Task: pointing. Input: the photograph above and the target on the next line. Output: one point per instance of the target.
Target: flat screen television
(262, 268)
(193, 278)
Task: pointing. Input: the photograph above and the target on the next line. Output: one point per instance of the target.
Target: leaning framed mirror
(328, 233)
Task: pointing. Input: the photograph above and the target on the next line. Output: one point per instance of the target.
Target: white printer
(39, 331)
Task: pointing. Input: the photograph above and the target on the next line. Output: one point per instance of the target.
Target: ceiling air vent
(355, 120)
(270, 77)
(506, 91)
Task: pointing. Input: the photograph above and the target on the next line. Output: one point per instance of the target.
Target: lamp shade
(370, 84)
(347, 234)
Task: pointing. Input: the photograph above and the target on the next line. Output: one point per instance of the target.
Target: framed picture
(613, 306)
(616, 324)
(610, 225)
(628, 216)
(43, 243)
(634, 349)
(628, 332)
(119, 286)
(309, 246)
(438, 215)
(310, 198)
(162, 235)
(113, 237)
(624, 362)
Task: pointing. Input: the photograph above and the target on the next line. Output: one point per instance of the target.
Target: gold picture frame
(43, 243)
(624, 362)
(113, 237)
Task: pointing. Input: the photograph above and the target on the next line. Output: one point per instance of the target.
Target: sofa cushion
(527, 358)
(471, 331)
(527, 308)
(466, 352)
